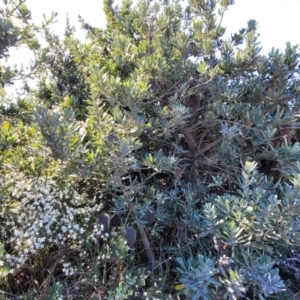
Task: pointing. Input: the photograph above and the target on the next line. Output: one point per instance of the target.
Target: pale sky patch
(278, 21)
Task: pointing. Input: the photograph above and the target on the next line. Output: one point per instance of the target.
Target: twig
(189, 139)
(145, 240)
(147, 246)
(202, 137)
(211, 145)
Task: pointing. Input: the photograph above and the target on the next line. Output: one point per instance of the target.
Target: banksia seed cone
(104, 220)
(130, 236)
(183, 236)
(115, 221)
(150, 216)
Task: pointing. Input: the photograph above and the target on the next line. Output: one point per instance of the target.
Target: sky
(278, 20)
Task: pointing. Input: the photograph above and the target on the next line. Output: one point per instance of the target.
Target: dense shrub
(155, 159)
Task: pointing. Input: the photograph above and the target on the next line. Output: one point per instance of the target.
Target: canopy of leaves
(159, 132)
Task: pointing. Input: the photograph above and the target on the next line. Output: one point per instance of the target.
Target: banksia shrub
(150, 216)
(104, 220)
(160, 123)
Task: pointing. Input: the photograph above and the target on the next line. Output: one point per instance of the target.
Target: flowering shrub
(36, 213)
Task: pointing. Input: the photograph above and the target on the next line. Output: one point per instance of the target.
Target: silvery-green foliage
(265, 276)
(62, 134)
(198, 276)
(234, 284)
(244, 222)
(160, 162)
(249, 218)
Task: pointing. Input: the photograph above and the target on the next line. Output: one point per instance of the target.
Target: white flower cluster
(36, 213)
(68, 269)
